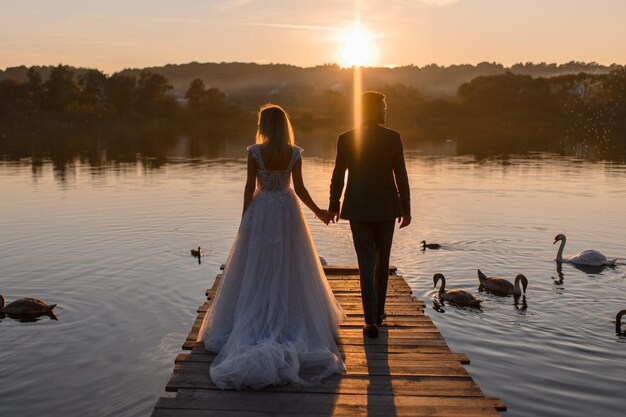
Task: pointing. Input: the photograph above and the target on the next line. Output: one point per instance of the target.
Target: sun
(356, 48)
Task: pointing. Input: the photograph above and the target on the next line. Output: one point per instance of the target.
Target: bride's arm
(302, 192)
(248, 191)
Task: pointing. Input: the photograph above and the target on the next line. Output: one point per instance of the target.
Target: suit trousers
(372, 242)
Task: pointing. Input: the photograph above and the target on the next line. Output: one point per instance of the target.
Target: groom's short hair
(370, 105)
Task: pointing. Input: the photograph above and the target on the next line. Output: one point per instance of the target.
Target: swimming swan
(26, 307)
(460, 297)
(587, 257)
(501, 286)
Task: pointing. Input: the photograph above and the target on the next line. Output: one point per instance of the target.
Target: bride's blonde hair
(275, 132)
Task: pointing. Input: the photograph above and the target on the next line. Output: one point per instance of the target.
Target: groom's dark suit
(377, 192)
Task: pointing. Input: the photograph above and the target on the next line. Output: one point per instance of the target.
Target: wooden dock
(408, 371)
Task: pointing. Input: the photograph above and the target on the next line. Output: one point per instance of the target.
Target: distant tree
(613, 92)
(92, 93)
(119, 90)
(215, 101)
(207, 104)
(152, 96)
(404, 102)
(61, 90)
(34, 88)
(12, 100)
(196, 95)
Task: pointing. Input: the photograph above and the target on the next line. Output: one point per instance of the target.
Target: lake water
(109, 242)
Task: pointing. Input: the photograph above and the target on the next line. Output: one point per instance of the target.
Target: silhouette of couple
(274, 318)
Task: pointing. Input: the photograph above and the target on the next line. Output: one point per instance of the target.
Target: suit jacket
(378, 187)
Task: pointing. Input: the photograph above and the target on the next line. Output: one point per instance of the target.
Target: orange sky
(116, 34)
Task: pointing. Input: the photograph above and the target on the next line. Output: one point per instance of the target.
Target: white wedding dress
(274, 318)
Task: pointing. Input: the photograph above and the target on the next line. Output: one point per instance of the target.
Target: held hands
(325, 216)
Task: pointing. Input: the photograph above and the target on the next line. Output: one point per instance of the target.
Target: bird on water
(586, 257)
(430, 245)
(501, 286)
(196, 253)
(26, 307)
(459, 297)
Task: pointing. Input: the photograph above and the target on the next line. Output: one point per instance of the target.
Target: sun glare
(356, 48)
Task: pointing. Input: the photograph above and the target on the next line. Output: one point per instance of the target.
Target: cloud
(290, 26)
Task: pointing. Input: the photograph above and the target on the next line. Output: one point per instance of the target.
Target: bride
(274, 318)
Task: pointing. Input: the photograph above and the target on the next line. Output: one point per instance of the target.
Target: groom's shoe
(370, 331)
(381, 318)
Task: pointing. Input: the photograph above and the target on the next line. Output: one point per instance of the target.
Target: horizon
(443, 66)
(111, 36)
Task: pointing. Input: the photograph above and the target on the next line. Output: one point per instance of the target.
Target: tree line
(499, 113)
(67, 100)
(236, 78)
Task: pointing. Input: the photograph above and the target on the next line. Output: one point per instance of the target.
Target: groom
(377, 193)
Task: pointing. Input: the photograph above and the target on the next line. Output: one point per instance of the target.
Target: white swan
(586, 257)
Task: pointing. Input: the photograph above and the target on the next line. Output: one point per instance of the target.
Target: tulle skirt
(274, 319)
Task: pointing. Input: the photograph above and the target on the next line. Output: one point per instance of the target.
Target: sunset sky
(116, 34)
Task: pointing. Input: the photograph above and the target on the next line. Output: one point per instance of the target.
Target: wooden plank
(368, 367)
(422, 412)
(320, 404)
(349, 384)
(350, 270)
(353, 322)
(342, 269)
(352, 304)
(427, 346)
(341, 284)
(355, 330)
(427, 340)
(377, 345)
(330, 404)
(353, 357)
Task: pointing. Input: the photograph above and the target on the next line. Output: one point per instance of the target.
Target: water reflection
(520, 303)
(439, 306)
(561, 278)
(592, 269)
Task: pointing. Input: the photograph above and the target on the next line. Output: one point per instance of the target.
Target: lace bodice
(273, 179)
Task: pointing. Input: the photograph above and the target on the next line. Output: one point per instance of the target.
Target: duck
(26, 307)
(196, 253)
(501, 286)
(430, 245)
(587, 257)
(618, 322)
(460, 297)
